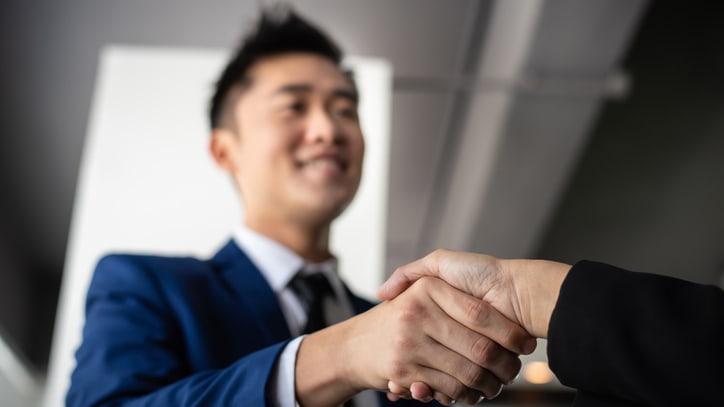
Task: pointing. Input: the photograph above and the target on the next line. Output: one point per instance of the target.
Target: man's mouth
(332, 164)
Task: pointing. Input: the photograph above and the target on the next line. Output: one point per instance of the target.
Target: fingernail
(513, 379)
(427, 399)
(500, 390)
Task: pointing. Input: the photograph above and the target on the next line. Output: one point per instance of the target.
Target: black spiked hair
(279, 30)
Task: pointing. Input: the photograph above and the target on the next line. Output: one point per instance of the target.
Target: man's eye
(295, 107)
(347, 113)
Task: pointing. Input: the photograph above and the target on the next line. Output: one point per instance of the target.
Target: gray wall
(649, 191)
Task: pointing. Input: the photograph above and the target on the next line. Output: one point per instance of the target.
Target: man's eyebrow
(348, 94)
(296, 88)
(293, 88)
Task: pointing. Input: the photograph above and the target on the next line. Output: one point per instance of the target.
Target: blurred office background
(559, 129)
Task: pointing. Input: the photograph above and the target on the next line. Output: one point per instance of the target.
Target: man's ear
(224, 149)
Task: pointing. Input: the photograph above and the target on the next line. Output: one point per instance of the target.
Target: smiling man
(294, 147)
(267, 320)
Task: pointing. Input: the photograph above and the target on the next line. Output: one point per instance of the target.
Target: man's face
(299, 147)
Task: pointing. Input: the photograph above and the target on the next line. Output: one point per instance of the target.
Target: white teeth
(323, 163)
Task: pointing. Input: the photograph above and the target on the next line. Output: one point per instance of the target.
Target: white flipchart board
(148, 184)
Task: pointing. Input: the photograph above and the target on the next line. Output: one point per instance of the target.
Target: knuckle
(402, 343)
(458, 391)
(474, 376)
(437, 255)
(514, 335)
(517, 337)
(399, 372)
(410, 312)
(483, 351)
(442, 252)
(477, 312)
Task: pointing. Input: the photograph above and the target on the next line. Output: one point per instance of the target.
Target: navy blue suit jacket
(172, 331)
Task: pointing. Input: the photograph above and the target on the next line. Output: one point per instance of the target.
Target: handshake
(503, 304)
(451, 328)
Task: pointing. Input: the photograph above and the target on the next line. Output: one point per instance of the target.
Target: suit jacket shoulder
(177, 331)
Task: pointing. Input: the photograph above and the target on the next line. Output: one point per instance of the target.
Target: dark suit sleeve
(133, 352)
(640, 338)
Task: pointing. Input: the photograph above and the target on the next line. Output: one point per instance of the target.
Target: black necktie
(312, 291)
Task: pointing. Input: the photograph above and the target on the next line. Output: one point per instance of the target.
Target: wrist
(536, 286)
(331, 385)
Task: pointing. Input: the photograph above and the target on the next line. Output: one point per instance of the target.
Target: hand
(525, 291)
(431, 333)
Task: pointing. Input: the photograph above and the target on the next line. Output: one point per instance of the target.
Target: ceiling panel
(419, 37)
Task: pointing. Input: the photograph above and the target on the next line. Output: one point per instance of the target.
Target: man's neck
(310, 243)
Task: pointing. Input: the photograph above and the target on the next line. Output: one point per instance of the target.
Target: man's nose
(321, 127)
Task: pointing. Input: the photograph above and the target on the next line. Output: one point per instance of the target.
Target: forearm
(633, 335)
(242, 383)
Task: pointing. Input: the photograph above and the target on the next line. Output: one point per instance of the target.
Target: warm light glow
(537, 373)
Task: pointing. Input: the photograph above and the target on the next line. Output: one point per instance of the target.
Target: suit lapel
(252, 289)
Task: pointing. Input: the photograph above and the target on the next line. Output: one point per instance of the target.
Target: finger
(454, 349)
(443, 399)
(447, 389)
(417, 391)
(445, 371)
(475, 379)
(500, 390)
(399, 391)
(482, 318)
(469, 338)
(402, 278)
(422, 392)
(501, 363)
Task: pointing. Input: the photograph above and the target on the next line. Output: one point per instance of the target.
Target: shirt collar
(277, 263)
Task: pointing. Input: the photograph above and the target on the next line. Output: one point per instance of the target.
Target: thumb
(394, 286)
(403, 278)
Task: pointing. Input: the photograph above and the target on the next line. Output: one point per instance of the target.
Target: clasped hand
(435, 334)
(451, 327)
(503, 293)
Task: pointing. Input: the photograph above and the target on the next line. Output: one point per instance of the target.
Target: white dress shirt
(279, 265)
